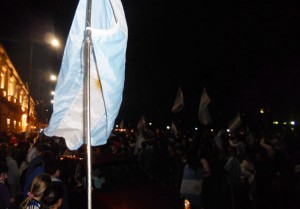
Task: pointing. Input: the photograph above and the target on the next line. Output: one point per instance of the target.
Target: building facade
(14, 98)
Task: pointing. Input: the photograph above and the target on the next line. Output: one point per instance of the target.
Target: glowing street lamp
(53, 77)
(53, 42)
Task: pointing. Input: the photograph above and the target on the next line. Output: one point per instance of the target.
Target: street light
(42, 101)
(54, 43)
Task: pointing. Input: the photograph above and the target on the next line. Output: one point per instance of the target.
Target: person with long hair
(36, 191)
(192, 179)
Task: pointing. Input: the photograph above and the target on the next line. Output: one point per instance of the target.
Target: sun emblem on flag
(97, 84)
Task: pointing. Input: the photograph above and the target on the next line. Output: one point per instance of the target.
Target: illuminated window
(21, 96)
(8, 123)
(10, 89)
(15, 124)
(2, 81)
(11, 86)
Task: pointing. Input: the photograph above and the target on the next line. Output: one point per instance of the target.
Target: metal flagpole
(86, 110)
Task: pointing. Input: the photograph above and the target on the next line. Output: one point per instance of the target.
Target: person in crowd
(233, 176)
(145, 157)
(192, 179)
(53, 168)
(53, 197)
(4, 190)
(36, 191)
(12, 174)
(32, 150)
(98, 178)
(36, 165)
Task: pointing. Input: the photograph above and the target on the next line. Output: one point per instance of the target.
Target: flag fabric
(236, 122)
(121, 125)
(141, 123)
(204, 115)
(179, 102)
(174, 129)
(109, 34)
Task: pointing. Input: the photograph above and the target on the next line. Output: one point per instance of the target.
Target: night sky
(246, 54)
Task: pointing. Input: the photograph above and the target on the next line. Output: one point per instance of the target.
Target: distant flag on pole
(121, 125)
(174, 128)
(204, 115)
(141, 123)
(236, 122)
(107, 74)
(179, 102)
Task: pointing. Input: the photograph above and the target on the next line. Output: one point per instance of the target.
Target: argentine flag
(107, 74)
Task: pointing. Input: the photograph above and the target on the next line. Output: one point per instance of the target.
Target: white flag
(179, 102)
(107, 74)
(121, 125)
(235, 122)
(174, 129)
(141, 123)
(204, 115)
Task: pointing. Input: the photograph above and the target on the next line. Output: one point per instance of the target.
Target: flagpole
(86, 110)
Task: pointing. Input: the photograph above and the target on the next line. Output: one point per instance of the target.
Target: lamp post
(54, 43)
(41, 101)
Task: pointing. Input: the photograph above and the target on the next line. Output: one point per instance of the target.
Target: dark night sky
(245, 53)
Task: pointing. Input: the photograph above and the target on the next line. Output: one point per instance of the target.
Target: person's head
(37, 188)
(30, 140)
(53, 168)
(53, 196)
(3, 172)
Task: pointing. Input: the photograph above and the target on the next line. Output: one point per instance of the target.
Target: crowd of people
(29, 170)
(213, 170)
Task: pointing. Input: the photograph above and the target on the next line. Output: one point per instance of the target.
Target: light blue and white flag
(174, 129)
(141, 123)
(204, 115)
(236, 122)
(179, 102)
(107, 74)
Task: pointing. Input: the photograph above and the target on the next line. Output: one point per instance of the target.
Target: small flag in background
(204, 115)
(121, 125)
(141, 123)
(179, 102)
(236, 122)
(174, 128)
(107, 73)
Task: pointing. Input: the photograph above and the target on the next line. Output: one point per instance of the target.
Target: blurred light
(52, 101)
(262, 111)
(52, 40)
(284, 123)
(292, 123)
(187, 204)
(117, 126)
(275, 122)
(228, 130)
(196, 128)
(212, 130)
(55, 43)
(150, 124)
(52, 92)
(53, 77)
(168, 127)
